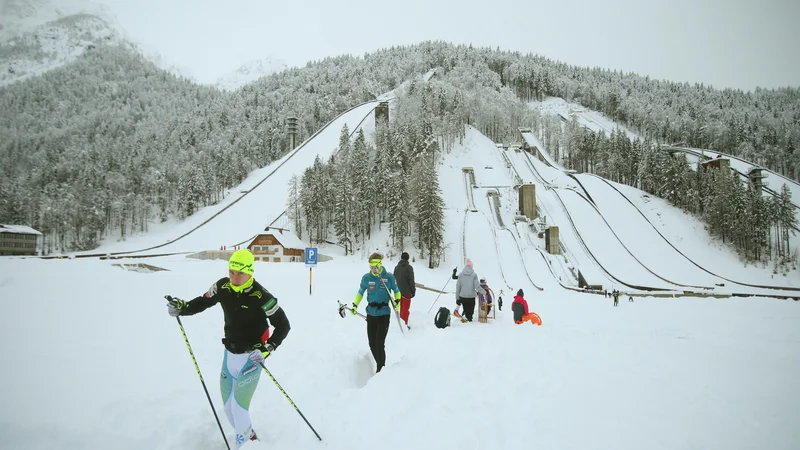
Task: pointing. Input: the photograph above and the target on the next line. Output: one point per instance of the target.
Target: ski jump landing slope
(264, 197)
(687, 237)
(641, 238)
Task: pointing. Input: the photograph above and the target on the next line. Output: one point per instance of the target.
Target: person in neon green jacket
(377, 284)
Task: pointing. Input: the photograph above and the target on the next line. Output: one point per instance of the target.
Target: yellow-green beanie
(242, 260)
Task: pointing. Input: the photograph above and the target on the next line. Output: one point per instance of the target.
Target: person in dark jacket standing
(376, 284)
(248, 308)
(404, 275)
(466, 288)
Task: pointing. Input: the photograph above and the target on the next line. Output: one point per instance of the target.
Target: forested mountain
(104, 145)
(54, 44)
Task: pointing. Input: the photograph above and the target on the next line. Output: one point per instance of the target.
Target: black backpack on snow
(442, 319)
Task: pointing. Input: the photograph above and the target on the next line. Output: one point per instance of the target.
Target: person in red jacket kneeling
(521, 313)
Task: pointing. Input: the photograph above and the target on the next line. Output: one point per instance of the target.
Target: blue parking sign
(311, 255)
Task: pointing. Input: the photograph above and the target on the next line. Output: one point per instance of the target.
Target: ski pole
(391, 301)
(290, 400)
(197, 368)
(441, 291)
(343, 308)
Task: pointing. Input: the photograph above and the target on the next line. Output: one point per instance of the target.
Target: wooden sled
(483, 308)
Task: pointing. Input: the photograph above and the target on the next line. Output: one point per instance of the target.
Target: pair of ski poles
(208, 396)
(343, 307)
(392, 301)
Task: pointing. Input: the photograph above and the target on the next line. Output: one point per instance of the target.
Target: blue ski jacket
(377, 295)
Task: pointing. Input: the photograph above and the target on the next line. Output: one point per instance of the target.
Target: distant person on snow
(248, 309)
(630, 298)
(404, 275)
(466, 289)
(520, 309)
(616, 297)
(376, 284)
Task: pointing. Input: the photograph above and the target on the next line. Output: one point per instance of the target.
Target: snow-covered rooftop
(287, 239)
(18, 229)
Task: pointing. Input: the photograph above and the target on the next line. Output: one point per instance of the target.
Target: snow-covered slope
(249, 208)
(690, 236)
(593, 120)
(52, 45)
(21, 16)
(250, 72)
(41, 35)
(672, 368)
(106, 367)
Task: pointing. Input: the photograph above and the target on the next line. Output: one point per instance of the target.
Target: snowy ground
(656, 374)
(690, 236)
(106, 367)
(593, 120)
(644, 241)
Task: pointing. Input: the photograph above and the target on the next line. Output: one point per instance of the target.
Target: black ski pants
(377, 329)
(469, 307)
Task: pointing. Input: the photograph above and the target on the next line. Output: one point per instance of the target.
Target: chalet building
(278, 246)
(18, 240)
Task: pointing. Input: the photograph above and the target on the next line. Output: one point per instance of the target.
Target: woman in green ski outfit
(248, 308)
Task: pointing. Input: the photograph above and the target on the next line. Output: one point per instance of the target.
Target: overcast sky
(727, 43)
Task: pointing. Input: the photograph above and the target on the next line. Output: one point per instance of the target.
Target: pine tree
(294, 205)
(190, 193)
(786, 216)
(362, 203)
(399, 210)
(757, 223)
(430, 212)
(343, 193)
(314, 198)
(382, 168)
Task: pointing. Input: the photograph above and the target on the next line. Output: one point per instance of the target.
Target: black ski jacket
(404, 274)
(247, 315)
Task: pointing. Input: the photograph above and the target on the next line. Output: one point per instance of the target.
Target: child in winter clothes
(521, 313)
(487, 298)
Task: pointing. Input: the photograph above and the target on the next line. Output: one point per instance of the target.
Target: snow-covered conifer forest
(104, 146)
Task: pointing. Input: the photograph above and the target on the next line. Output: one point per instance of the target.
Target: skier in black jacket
(248, 308)
(404, 274)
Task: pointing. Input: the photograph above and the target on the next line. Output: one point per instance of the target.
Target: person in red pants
(404, 274)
